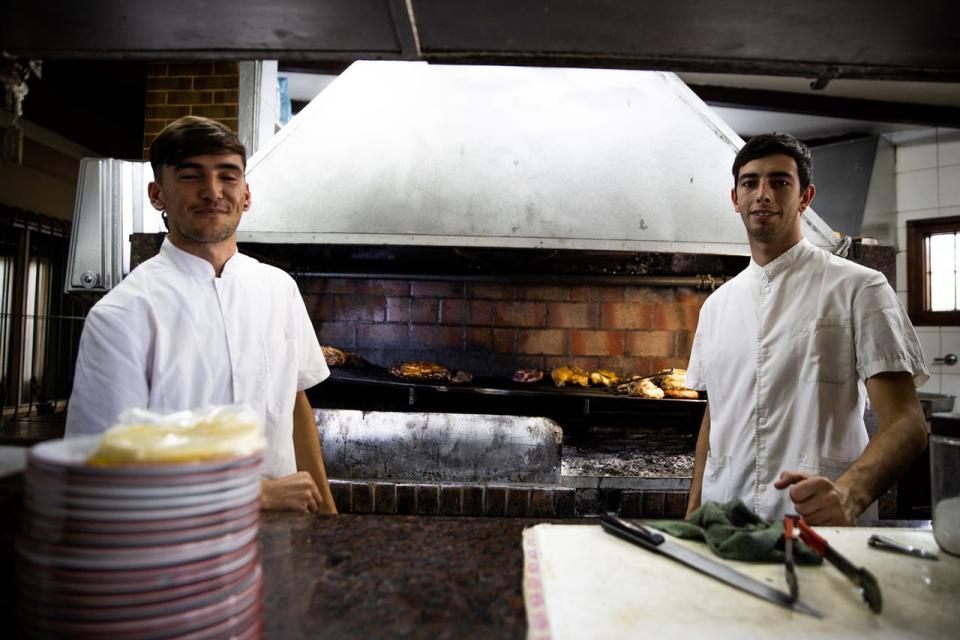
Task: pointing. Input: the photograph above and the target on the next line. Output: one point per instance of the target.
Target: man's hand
(296, 492)
(818, 499)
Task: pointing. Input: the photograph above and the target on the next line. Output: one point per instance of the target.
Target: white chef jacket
(782, 351)
(172, 336)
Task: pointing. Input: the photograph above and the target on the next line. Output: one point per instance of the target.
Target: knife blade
(657, 543)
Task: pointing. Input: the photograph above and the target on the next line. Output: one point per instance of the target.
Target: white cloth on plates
(172, 336)
(783, 351)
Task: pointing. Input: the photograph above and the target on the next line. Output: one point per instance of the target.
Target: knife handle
(634, 532)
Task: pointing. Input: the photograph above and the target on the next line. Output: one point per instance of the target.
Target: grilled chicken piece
(570, 375)
(671, 378)
(604, 378)
(686, 394)
(641, 388)
(339, 358)
(421, 371)
(527, 375)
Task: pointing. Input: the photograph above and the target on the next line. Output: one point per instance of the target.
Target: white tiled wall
(928, 186)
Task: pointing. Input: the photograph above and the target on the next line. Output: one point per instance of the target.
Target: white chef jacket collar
(782, 262)
(190, 264)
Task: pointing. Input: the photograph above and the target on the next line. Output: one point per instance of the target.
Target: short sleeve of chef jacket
(312, 366)
(885, 340)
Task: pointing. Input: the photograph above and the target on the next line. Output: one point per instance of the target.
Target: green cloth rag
(735, 532)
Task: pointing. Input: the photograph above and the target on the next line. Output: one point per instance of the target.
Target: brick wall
(493, 329)
(177, 89)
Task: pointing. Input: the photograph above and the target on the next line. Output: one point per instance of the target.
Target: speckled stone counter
(371, 576)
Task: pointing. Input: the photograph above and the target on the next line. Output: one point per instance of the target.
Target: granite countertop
(368, 576)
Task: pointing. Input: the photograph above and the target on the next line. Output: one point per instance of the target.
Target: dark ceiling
(821, 40)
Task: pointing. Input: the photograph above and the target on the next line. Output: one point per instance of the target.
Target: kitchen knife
(657, 543)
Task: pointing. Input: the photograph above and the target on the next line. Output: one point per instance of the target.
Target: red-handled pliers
(869, 587)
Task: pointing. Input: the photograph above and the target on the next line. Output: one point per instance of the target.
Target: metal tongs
(869, 587)
(882, 542)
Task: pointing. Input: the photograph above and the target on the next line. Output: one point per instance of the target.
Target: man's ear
(733, 198)
(807, 197)
(246, 197)
(153, 191)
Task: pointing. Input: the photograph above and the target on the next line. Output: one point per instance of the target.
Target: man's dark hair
(768, 144)
(192, 136)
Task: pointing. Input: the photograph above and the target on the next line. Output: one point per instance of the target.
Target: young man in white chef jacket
(202, 324)
(788, 351)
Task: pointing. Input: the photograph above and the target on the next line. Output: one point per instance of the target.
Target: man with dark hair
(202, 324)
(787, 351)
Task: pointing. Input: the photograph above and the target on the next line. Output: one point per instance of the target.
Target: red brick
(472, 312)
(337, 334)
(588, 364)
(360, 308)
(398, 309)
(155, 83)
(226, 69)
(431, 337)
(377, 336)
(521, 314)
(650, 343)
(216, 111)
(689, 295)
(436, 289)
(328, 285)
(230, 96)
(319, 307)
(669, 363)
(383, 287)
(190, 97)
(425, 310)
(596, 343)
(675, 317)
(581, 315)
(597, 293)
(190, 69)
(543, 293)
(166, 112)
(505, 340)
(683, 343)
(628, 366)
(491, 291)
(626, 315)
(649, 295)
(216, 82)
(546, 341)
(529, 362)
(479, 340)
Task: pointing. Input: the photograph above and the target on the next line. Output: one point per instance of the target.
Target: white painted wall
(927, 170)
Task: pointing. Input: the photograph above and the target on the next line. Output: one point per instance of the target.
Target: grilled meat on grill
(642, 388)
(527, 375)
(339, 358)
(602, 377)
(570, 375)
(421, 371)
(671, 379)
(461, 377)
(686, 394)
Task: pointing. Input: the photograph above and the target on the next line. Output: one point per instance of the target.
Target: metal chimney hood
(408, 153)
(482, 156)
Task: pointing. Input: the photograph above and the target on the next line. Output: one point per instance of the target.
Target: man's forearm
(900, 438)
(699, 463)
(306, 446)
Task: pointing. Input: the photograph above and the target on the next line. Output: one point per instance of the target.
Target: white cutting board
(580, 582)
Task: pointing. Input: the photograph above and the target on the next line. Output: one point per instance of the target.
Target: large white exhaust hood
(406, 153)
(411, 153)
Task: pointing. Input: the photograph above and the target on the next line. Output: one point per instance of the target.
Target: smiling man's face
(769, 200)
(204, 197)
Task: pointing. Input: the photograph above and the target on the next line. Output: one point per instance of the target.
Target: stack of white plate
(151, 551)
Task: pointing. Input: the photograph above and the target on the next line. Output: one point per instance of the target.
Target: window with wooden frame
(933, 271)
